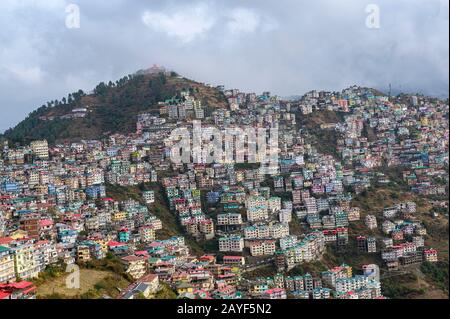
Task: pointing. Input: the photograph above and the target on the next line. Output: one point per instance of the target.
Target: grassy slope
(376, 199)
(415, 284)
(325, 140)
(98, 278)
(57, 287)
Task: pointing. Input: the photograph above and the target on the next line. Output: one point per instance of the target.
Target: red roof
(207, 257)
(226, 276)
(5, 240)
(42, 242)
(132, 258)
(25, 287)
(148, 278)
(141, 253)
(4, 295)
(115, 244)
(46, 222)
(274, 290)
(17, 285)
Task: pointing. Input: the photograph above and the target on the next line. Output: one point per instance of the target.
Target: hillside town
(285, 207)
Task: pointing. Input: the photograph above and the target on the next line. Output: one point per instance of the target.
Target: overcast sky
(287, 47)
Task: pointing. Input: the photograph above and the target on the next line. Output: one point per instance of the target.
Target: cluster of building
(54, 205)
(338, 283)
(404, 241)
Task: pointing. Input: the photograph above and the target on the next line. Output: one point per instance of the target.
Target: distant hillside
(325, 140)
(111, 108)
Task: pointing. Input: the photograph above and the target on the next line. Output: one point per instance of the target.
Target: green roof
(3, 249)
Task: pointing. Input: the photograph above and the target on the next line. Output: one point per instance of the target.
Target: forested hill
(111, 108)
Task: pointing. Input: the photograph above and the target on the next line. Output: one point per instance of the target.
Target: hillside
(325, 140)
(111, 108)
(160, 209)
(425, 281)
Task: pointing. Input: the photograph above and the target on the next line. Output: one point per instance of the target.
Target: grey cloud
(287, 46)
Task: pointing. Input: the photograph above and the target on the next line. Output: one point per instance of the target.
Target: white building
(262, 247)
(149, 196)
(231, 243)
(371, 222)
(40, 149)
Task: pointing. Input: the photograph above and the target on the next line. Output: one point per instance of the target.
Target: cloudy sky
(285, 46)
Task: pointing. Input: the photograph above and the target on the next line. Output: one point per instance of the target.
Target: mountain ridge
(111, 108)
(114, 106)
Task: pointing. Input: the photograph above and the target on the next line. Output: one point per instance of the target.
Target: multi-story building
(234, 260)
(321, 293)
(371, 221)
(351, 284)
(199, 112)
(306, 250)
(274, 204)
(411, 258)
(329, 222)
(387, 226)
(430, 255)
(206, 227)
(135, 266)
(354, 214)
(418, 241)
(147, 234)
(45, 253)
(371, 245)
(24, 260)
(288, 242)
(257, 232)
(149, 197)
(275, 293)
(366, 244)
(40, 149)
(7, 273)
(285, 216)
(229, 219)
(278, 230)
(231, 243)
(262, 247)
(83, 254)
(256, 214)
(2, 224)
(341, 219)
